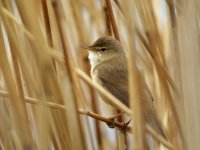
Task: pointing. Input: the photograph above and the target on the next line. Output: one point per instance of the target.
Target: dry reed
(47, 98)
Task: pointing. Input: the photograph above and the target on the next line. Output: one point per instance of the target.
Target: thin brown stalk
(159, 138)
(47, 80)
(112, 19)
(47, 22)
(145, 10)
(47, 27)
(176, 56)
(16, 112)
(107, 20)
(118, 4)
(18, 76)
(117, 124)
(69, 65)
(36, 101)
(149, 49)
(133, 76)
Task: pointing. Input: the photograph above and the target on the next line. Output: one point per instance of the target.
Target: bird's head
(104, 49)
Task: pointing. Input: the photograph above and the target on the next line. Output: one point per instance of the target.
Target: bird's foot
(125, 128)
(112, 124)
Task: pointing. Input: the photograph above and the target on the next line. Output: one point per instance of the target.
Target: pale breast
(94, 75)
(94, 58)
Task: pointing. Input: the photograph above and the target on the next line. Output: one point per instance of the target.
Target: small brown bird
(109, 68)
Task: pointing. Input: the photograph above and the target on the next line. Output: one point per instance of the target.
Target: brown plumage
(109, 68)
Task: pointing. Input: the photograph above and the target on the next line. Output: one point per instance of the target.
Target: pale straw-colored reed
(47, 97)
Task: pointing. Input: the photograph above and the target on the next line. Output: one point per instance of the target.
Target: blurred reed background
(47, 98)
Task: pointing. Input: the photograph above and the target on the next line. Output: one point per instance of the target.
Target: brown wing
(115, 81)
(118, 92)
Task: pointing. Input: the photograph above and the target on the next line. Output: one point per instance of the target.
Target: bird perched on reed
(109, 68)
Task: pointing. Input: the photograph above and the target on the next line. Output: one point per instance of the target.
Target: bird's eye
(103, 49)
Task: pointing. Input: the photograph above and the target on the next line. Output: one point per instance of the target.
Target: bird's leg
(112, 125)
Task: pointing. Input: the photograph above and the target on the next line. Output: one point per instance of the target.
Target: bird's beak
(90, 48)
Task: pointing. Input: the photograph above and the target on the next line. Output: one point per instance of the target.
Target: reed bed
(48, 99)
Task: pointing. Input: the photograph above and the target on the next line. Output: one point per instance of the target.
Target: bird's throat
(94, 58)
